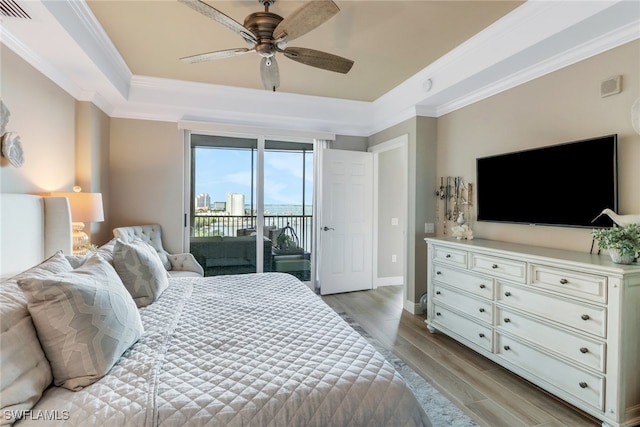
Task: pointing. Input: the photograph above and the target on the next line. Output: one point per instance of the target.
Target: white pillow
(105, 251)
(85, 320)
(141, 270)
(24, 370)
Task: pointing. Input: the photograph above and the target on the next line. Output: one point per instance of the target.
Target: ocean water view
(285, 210)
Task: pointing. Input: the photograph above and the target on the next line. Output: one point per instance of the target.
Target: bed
(245, 350)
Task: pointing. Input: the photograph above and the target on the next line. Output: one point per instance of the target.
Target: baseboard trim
(389, 281)
(412, 307)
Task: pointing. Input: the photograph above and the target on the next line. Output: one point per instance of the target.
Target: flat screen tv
(564, 185)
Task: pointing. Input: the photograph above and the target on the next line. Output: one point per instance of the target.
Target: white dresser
(566, 321)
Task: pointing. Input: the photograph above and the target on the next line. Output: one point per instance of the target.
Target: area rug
(441, 411)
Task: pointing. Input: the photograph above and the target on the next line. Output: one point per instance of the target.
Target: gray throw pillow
(85, 319)
(105, 251)
(141, 270)
(24, 370)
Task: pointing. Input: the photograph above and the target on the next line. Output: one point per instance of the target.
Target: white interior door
(346, 223)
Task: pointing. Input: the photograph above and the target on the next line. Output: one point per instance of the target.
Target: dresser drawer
(476, 307)
(581, 316)
(460, 279)
(450, 256)
(581, 384)
(583, 285)
(500, 267)
(584, 351)
(466, 328)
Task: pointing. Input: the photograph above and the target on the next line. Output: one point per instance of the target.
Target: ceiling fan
(267, 33)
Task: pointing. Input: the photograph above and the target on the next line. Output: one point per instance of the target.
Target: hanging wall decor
(4, 117)
(11, 144)
(12, 149)
(456, 197)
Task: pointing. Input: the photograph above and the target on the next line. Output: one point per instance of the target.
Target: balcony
(225, 244)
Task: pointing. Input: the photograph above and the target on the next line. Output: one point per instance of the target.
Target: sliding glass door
(227, 191)
(223, 182)
(288, 195)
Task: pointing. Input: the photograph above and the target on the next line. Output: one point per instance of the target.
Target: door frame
(400, 142)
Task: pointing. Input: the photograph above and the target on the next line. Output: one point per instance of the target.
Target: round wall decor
(12, 149)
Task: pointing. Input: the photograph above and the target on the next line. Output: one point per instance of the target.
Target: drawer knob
(583, 384)
(564, 281)
(482, 310)
(481, 335)
(507, 294)
(585, 317)
(438, 272)
(584, 350)
(494, 266)
(482, 286)
(507, 320)
(507, 348)
(438, 314)
(438, 292)
(448, 256)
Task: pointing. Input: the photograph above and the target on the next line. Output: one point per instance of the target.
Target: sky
(222, 171)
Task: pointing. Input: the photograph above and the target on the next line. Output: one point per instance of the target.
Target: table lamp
(85, 207)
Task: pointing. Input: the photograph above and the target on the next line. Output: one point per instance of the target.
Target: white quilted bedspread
(247, 350)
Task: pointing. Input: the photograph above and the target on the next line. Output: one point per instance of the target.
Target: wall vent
(611, 86)
(12, 9)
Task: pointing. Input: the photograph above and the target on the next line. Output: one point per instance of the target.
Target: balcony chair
(178, 265)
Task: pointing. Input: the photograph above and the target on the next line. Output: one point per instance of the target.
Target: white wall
(351, 143)
(43, 115)
(421, 177)
(147, 177)
(92, 163)
(65, 142)
(391, 204)
(560, 107)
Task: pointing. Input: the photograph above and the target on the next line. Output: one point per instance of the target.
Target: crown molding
(619, 34)
(70, 47)
(83, 27)
(172, 100)
(283, 134)
(36, 60)
(535, 39)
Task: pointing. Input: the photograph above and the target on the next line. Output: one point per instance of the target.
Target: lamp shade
(85, 207)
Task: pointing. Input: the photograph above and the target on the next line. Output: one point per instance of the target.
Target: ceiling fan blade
(316, 58)
(270, 73)
(216, 55)
(221, 18)
(305, 19)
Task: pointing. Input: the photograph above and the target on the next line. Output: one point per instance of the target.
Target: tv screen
(560, 185)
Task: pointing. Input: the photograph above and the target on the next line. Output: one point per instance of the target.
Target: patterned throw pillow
(105, 251)
(85, 320)
(141, 270)
(24, 370)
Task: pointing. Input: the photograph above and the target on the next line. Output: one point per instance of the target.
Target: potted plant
(623, 243)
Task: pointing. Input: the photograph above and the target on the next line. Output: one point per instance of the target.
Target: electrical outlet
(429, 228)
(394, 258)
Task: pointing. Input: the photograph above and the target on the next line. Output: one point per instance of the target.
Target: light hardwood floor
(486, 392)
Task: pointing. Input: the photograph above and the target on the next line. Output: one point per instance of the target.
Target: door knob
(325, 228)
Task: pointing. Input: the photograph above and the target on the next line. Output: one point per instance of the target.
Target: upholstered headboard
(32, 228)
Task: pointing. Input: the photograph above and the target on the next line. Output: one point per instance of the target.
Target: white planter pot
(620, 259)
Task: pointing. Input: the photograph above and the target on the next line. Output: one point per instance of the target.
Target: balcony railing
(238, 225)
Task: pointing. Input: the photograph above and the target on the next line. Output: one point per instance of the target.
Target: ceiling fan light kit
(267, 33)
